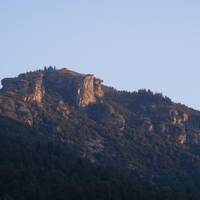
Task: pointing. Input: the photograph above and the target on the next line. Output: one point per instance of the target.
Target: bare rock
(178, 117)
(77, 89)
(88, 90)
(15, 110)
(182, 138)
(28, 86)
(63, 86)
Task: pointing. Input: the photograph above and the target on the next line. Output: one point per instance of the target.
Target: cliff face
(77, 89)
(30, 96)
(140, 131)
(88, 90)
(19, 94)
(28, 86)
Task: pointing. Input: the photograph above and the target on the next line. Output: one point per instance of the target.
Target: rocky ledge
(77, 89)
(19, 94)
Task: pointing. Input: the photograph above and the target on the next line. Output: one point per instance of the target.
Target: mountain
(65, 135)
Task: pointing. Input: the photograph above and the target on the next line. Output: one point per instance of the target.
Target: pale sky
(130, 44)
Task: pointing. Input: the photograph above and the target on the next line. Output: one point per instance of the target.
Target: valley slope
(130, 145)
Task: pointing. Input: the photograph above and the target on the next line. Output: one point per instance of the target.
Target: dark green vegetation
(137, 146)
(34, 166)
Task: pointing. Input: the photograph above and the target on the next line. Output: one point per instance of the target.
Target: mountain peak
(75, 88)
(23, 98)
(143, 132)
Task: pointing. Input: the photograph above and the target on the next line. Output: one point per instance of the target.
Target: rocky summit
(20, 93)
(65, 134)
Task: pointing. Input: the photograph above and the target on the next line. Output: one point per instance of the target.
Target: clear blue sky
(131, 44)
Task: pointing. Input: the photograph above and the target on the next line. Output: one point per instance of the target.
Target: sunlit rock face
(20, 95)
(53, 94)
(85, 91)
(178, 118)
(88, 90)
(27, 86)
(77, 89)
(38, 91)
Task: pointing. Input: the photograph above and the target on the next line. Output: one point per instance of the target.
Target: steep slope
(143, 134)
(37, 167)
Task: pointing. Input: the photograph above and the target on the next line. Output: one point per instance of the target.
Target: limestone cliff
(28, 86)
(19, 94)
(77, 89)
(88, 90)
(47, 95)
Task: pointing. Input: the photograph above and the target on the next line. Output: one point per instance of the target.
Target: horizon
(130, 45)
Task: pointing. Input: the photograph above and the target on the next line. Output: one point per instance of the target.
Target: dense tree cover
(46, 162)
(135, 100)
(33, 166)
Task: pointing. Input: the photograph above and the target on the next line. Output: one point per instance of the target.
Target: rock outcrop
(16, 110)
(53, 94)
(19, 94)
(178, 118)
(88, 90)
(76, 89)
(28, 86)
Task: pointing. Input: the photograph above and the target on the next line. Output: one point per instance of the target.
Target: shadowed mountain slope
(65, 135)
